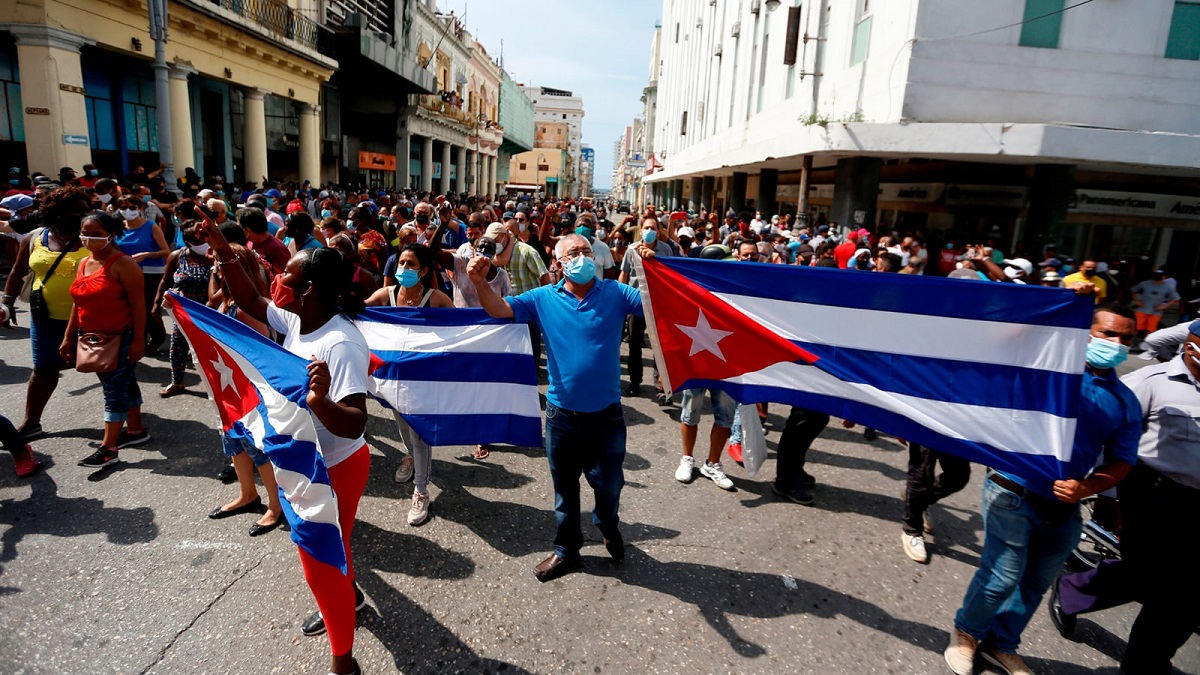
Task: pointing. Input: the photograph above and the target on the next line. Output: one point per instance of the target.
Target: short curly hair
(56, 207)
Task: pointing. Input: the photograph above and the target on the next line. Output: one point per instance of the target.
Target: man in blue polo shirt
(1030, 526)
(581, 318)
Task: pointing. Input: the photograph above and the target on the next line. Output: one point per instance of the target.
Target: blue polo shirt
(1110, 426)
(583, 340)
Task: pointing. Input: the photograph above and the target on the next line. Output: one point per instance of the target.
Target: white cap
(1021, 264)
(205, 193)
(686, 231)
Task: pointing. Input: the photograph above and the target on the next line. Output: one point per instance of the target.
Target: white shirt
(465, 294)
(604, 258)
(339, 344)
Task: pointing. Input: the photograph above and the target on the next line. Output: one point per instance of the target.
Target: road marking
(207, 545)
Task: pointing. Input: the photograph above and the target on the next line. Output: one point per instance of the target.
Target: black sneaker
(100, 458)
(315, 625)
(31, 432)
(806, 479)
(870, 434)
(802, 496)
(126, 439)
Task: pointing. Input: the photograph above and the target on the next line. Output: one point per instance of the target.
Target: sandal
(171, 390)
(481, 452)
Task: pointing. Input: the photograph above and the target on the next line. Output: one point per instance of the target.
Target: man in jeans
(585, 424)
(1031, 525)
(924, 489)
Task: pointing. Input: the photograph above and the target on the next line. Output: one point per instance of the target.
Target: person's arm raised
(493, 304)
(244, 292)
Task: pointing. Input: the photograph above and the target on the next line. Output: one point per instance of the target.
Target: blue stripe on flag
(903, 293)
(1028, 465)
(970, 383)
(428, 316)
(478, 429)
(456, 367)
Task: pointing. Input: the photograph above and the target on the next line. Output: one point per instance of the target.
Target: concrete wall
(516, 114)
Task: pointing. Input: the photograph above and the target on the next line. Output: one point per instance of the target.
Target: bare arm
(1105, 476)
(442, 256)
(494, 305)
(346, 418)
(16, 276)
(244, 292)
(164, 284)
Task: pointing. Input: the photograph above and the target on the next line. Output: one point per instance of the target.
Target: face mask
(199, 249)
(220, 193)
(584, 232)
(422, 218)
(146, 199)
(131, 214)
(13, 181)
(650, 236)
(93, 172)
(282, 296)
(94, 243)
(1012, 272)
(522, 226)
(270, 202)
(104, 199)
(1089, 273)
(580, 269)
(499, 249)
(325, 213)
(408, 278)
(1105, 354)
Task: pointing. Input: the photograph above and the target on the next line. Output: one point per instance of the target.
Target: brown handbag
(98, 352)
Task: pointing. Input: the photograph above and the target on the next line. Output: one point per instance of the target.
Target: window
(1040, 30)
(12, 121)
(676, 32)
(792, 42)
(141, 122)
(683, 124)
(564, 116)
(762, 66)
(522, 166)
(102, 122)
(862, 37)
(1183, 42)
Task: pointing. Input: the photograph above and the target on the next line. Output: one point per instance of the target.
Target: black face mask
(422, 219)
(1089, 273)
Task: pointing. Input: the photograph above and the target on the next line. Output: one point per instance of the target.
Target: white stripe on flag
(1009, 344)
(313, 502)
(1020, 431)
(475, 338)
(459, 398)
(287, 417)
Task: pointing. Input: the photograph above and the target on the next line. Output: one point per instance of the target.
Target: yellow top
(57, 290)
(1100, 283)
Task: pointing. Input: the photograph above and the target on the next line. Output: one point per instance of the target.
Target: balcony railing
(277, 18)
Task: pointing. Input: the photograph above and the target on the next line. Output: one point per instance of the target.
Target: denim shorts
(724, 407)
(234, 446)
(120, 386)
(45, 337)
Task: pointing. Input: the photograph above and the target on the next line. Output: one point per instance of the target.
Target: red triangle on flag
(700, 336)
(231, 390)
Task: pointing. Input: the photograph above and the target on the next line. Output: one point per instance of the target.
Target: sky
(596, 49)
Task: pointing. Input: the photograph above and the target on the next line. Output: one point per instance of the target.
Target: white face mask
(104, 199)
(131, 214)
(499, 249)
(200, 249)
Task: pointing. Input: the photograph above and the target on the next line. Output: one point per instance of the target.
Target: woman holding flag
(310, 303)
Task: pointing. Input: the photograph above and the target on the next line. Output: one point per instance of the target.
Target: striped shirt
(525, 269)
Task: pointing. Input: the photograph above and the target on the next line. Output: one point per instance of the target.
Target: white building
(1028, 120)
(558, 105)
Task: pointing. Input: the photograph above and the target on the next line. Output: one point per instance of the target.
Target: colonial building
(558, 105)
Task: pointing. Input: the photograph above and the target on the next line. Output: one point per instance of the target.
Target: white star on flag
(224, 371)
(705, 337)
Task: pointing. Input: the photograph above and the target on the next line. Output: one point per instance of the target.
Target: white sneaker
(1012, 664)
(419, 510)
(404, 472)
(914, 547)
(960, 654)
(683, 474)
(713, 471)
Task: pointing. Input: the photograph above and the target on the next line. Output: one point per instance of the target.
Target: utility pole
(162, 90)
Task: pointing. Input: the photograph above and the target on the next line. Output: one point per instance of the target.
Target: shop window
(12, 123)
(101, 109)
(1183, 42)
(141, 121)
(1042, 23)
(283, 123)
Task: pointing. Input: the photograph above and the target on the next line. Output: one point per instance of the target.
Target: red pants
(333, 590)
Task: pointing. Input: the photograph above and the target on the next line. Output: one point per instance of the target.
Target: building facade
(1009, 120)
(558, 105)
(516, 121)
(541, 171)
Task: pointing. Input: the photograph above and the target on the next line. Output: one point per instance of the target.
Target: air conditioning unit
(736, 31)
(717, 51)
(755, 6)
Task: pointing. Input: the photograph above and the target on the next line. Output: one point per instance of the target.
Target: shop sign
(1110, 202)
(910, 192)
(376, 161)
(986, 195)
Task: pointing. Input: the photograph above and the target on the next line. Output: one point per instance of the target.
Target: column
(470, 179)
(1050, 192)
(707, 185)
(464, 170)
(677, 189)
(444, 184)
(695, 188)
(768, 186)
(181, 118)
(427, 164)
(737, 191)
(56, 131)
(310, 143)
(803, 206)
(254, 151)
(492, 182)
(855, 191)
(403, 152)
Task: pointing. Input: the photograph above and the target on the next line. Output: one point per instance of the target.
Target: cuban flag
(260, 389)
(457, 376)
(986, 371)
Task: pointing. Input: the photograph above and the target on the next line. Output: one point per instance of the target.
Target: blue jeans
(592, 445)
(120, 386)
(1023, 552)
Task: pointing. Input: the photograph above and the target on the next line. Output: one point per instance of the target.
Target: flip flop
(481, 452)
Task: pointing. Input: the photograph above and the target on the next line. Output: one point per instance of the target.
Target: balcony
(275, 17)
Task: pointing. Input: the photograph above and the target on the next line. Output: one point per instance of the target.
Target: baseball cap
(686, 231)
(273, 193)
(1194, 328)
(823, 228)
(1053, 262)
(205, 193)
(294, 206)
(1021, 264)
(17, 202)
(508, 215)
(495, 231)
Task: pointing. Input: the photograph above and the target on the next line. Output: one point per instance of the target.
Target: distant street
(122, 572)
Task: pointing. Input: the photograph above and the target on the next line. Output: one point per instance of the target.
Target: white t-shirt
(339, 344)
(464, 291)
(604, 258)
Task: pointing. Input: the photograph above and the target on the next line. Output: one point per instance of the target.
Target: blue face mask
(270, 201)
(581, 269)
(325, 213)
(146, 198)
(650, 236)
(93, 172)
(1105, 354)
(407, 278)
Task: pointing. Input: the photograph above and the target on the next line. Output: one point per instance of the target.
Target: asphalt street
(120, 571)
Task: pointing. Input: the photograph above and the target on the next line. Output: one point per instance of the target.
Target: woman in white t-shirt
(309, 304)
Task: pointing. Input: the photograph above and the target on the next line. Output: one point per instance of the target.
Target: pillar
(737, 191)
(802, 207)
(403, 152)
(677, 201)
(491, 175)
(310, 143)
(694, 191)
(444, 183)
(707, 185)
(427, 164)
(464, 170)
(254, 152)
(181, 118)
(768, 186)
(1050, 192)
(855, 191)
(56, 132)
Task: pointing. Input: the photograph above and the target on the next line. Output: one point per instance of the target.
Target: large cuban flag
(457, 376)
(259, 389)
(986, 371)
